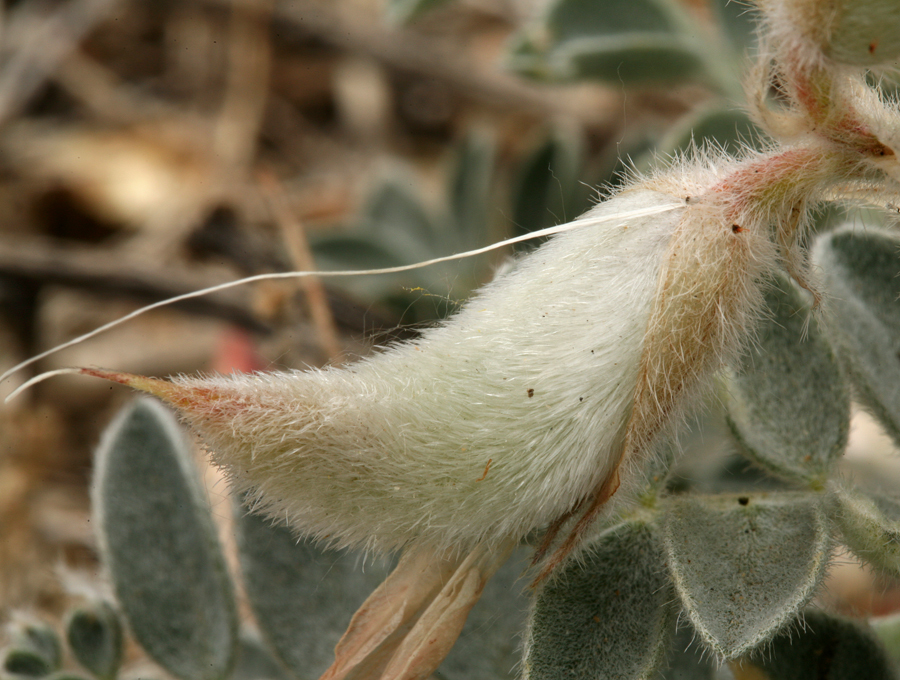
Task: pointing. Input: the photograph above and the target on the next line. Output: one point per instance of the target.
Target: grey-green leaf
(609, 614)
(571, 19)
(254, 661)
(870, 525)
(364, 251)
(38, 638)
(719, 125)
(489, 647)
(303, 596)
(628, 59)
(861, 270)
(738, 19)
(469, 192)
(887, 628)
(686, 659)
(159, 543)
(743, 566)
(618, 41)
(95, 637)
(788, 404)
(546, 188)
(825, 647)
(405, 11)
(25, 663)
(395, 217)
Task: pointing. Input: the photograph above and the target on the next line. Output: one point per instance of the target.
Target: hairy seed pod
(551, 381)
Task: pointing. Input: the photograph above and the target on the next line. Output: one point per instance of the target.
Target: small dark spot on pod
(743, 500)
(580, 398)
(873, 46)
(530, 392)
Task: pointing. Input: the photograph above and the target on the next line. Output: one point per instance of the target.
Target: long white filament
(586, 221)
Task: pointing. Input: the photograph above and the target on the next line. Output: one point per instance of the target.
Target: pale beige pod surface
(490, 425)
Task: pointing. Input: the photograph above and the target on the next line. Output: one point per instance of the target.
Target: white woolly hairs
(492, 424)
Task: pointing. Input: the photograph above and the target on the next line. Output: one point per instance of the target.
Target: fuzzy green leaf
(687, 660)
(788, 404)
(404, 11)
(887, 628)
(870, 525)
(571, 19)
(743, 566)
(861, 276)
(611, 611)
(356, 252)
(159, 543)
(95, 637)
(656, 470)
(825, 648)
(25, 663)
(546, 190)
(469, 192)
(395, 218)
(738, 19)
(40, 639)
(630, 59)
(254, 662)
(618, 41)
(303, 596)
(489, 647)
(721, 126)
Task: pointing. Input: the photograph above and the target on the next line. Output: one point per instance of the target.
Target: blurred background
(151, 148)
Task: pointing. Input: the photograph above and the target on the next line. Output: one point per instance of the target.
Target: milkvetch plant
(552, 402)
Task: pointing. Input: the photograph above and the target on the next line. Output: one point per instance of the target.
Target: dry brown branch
(39, 44)
(295, 237)
(105, 95)
(107, 273)
(249, 56)
(406, 51)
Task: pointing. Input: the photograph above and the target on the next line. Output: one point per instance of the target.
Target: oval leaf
(743, 566)
(160, 546)
(404, 11)
(570, 19)
(610, 612)
(396, 219)
(618, 41)
(861, 275)
(721, 126)
(254, 661)
(870, 525)
(627, 59)
(825, 647)
(687, 659)
(303, 597)
(95, 637)
(351, 252)
(25, 663)
(469, 192)
(33, 637)
(887, 628)
(738, 20)
(788, 404)
(546, 187)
